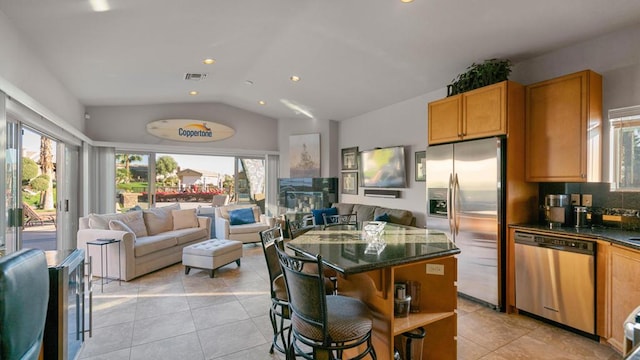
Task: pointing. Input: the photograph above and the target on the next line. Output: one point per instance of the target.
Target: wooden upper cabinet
(445, 120)
(563, 120)
(474, 114)
(485, 111)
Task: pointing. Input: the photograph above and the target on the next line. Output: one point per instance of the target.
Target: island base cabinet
(438, 302)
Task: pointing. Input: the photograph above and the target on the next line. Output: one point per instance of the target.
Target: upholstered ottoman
(211, 254)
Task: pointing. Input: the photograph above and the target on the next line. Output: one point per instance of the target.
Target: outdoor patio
(39, 237)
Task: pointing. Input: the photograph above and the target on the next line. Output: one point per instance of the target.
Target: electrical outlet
(575, 199)
(587, 200)
(435, 269)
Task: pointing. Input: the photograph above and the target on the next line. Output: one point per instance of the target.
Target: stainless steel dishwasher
(555, 279)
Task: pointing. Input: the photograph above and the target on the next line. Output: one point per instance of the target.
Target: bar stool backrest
(345, 219)
(299, 226)
(307, 297)
(269, 238)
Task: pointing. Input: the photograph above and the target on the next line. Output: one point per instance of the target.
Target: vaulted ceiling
(352, 56)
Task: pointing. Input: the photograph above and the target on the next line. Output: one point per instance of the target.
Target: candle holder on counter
(402, 302)
(373, 231)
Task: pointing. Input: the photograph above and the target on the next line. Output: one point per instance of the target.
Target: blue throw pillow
(241, 216)
(383, 217)
(317, 214)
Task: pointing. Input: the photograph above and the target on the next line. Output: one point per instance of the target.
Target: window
(625, 148)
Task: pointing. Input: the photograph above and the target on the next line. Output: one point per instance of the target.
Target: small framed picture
(350, 158)
(350, 183)
(421, 162)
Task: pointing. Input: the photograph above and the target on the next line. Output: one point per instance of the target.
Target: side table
(104, 260)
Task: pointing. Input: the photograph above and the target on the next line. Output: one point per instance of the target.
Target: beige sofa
(150, 239)
(247, 233)
(371, 212)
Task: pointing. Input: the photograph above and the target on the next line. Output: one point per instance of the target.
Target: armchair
(246, 231)
(24, 289)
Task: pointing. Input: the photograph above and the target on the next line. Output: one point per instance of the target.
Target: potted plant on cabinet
(478, 75)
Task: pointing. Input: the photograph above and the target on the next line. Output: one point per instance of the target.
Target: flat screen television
(383, 168)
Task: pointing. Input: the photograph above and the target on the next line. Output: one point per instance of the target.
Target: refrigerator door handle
(456, 200)
(450, 203)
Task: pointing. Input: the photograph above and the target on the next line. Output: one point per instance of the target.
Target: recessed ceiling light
(262, 102)
(99, 5)
(248, 82)
(208, 61)
(295, 78)
(406, 1)
(193, 92)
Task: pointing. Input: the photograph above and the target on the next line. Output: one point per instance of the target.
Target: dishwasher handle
(556, 243)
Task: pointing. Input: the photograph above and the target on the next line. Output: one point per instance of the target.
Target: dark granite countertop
(346, 251)
(614, 235)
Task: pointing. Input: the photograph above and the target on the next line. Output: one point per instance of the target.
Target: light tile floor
(169, 315)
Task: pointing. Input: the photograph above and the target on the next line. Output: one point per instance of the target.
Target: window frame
(619, 119)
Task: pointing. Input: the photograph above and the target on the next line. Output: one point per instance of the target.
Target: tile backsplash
(615, 209)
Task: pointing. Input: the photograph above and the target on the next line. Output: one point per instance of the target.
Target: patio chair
(31, 217)
(220, 200)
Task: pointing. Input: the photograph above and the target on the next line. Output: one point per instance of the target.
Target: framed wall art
(421, 169)
(350, 158)
(350, 183)
(304, 155)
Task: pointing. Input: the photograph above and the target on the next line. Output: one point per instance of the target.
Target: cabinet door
(445, 120)
(484, 112)
(557, 113)
(625, 293)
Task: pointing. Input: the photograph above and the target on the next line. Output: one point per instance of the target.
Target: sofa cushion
(396, 216)
(343, 208)
(364, 212)
(184, 236)
(248, 228)
(317, 214)
(241, 216)
(149, 244)
(159, 220)
(184, 219)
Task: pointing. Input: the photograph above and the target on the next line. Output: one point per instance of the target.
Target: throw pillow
(317, 214)
(184, 219)
(159, 220)
(118, 225)
(135, 222)
(135, 208)
(101, 221)
(241, 216)
(383, 217)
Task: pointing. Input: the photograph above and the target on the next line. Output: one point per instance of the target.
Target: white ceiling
(353, 56)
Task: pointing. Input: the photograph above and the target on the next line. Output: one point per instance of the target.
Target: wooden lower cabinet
(438, 303)
(624, 292)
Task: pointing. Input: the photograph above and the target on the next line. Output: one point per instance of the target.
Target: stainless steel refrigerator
(465, 199)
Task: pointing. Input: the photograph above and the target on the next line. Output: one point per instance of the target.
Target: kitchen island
(423, 256)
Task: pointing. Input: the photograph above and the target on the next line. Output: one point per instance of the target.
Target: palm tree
(126, 160)
(46, 163)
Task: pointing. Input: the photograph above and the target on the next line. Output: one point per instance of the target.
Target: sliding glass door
(159, 179)
(134, 188)
(11, 240)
